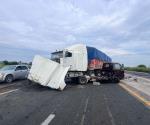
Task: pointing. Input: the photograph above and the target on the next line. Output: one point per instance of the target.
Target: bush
(138, 69)
(141, 66)
(1, 65)
(13, 63)
(5, 62)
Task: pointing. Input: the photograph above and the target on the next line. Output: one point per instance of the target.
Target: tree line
(5, 62)
(139, 68)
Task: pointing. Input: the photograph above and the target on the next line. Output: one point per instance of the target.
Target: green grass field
(1, 65)
(138, 69)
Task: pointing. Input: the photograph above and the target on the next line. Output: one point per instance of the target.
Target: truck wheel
(82, 80)
(115, 80)
(9, 78)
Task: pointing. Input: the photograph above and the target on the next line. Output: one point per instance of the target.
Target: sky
(120, 28)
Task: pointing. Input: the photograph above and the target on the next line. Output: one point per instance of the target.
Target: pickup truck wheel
(9, 78)
(115, 80)
(82, 80)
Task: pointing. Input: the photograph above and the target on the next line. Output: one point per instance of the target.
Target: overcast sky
(120, 28)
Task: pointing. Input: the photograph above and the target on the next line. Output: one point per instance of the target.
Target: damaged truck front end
(75, 63)
(48, 73)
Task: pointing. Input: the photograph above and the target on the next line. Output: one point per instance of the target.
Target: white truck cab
(74, 56)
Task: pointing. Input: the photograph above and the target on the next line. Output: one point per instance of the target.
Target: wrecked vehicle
(75, 62)
(47, 73)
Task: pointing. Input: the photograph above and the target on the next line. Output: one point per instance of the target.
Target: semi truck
(77, 62)
(88, 63)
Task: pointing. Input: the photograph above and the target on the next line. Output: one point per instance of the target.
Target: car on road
(13, 72)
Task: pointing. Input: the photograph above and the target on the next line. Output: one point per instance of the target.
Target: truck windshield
(56, 56)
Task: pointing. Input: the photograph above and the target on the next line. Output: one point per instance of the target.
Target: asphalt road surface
(141, 74)
(107, 104)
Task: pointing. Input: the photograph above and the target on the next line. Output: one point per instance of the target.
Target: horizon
(118, 28)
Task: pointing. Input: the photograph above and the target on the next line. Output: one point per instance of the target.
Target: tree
(13, 63)
(141, 66)
(5, 62)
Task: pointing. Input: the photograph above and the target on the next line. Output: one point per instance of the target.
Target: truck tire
(116, 80)
(82, 80)
(9, 78)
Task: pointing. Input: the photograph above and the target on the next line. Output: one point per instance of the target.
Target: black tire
(9, 78)
(116, 80)
(82, 80)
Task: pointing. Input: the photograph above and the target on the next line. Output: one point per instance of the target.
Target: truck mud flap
(48, 73)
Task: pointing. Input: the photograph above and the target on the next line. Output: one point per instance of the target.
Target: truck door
(68, 59)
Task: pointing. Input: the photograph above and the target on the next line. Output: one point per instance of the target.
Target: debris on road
(139, 83)
(136, 78)
(96, 83)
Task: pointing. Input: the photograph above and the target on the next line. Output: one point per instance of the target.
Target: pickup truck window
(106, 66)
(117, 66)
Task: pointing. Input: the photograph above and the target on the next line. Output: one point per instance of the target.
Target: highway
(106, 104)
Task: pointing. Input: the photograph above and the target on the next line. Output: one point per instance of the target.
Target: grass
(1, 65)
(138, 69)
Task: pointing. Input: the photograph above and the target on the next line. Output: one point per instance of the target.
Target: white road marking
(109, 112)
(9, 92)
(5, 86)
(84, 111)
(48, 119)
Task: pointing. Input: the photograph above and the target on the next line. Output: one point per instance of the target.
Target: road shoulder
(134, 91)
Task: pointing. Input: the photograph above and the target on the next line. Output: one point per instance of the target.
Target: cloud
(116, 52)
(119, 28)
(16, 26)
(20, 54)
